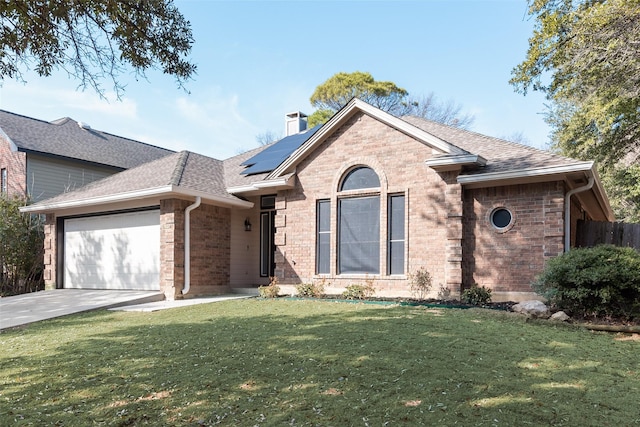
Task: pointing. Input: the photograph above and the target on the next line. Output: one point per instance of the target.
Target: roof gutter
(567, 210)
(164, 191)
(284, 182)
(187, 245)
(492, 177)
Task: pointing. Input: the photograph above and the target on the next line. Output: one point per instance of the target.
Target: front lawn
(315, 363)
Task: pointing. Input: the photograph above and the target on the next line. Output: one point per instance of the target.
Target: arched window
(359, 224)
(360, 178)
(360, 227)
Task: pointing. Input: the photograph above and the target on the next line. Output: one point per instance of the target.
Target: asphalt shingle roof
(501, 155)
(183, 169)
(65, 138)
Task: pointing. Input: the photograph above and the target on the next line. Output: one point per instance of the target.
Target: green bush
(599, 281)
(310, 289)
(358, 291)
(420, 283)
(476, 295)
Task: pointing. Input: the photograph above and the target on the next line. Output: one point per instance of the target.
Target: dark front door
(267, 234)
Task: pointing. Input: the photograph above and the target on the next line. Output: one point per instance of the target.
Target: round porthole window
(501, 218)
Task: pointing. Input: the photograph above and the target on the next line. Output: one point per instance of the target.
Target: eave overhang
(281, 183)
(445, 162)
(157, 193)
(575, 174)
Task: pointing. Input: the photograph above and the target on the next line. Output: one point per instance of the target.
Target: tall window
(359, 225)
(396, 234)
(3, 181)
(323, 239)
(359, 235)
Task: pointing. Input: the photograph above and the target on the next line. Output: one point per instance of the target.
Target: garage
(115, 251)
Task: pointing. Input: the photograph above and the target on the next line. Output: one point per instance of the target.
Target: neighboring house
(366, 197)
(43, 159)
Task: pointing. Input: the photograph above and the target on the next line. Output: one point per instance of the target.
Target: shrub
(420, 283)
(310, 289)
(444, 293)
(599, 281)
(271, 290)
(476, 295)
(358, 291)
(21, 248)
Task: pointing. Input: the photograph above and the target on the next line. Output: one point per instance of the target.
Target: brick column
(172, 247)
(50, 253)
(280, 238)
(453, 202)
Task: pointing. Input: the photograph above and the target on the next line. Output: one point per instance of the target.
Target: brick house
(366, 197)
(42, 159)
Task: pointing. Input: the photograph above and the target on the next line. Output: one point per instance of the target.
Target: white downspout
(567, 211)
(187, 245)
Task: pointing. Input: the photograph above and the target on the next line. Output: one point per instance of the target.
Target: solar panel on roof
(271, 157)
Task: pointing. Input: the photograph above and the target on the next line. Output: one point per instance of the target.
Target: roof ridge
(24, 117)
(178, 171)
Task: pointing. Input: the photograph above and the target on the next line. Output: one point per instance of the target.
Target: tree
(585, 56)
(21, 248)
(94, 39)
(339, 89)
(430, 108)
(267, 138)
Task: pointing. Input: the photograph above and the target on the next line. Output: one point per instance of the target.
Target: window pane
(268, 202)
(359, 235)
(396, 257)
(3, 180)
(396, 217)
(323, 239)
(360, 178)
(324, 219)
(396, 235)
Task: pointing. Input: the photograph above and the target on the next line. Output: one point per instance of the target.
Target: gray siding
(48, 177)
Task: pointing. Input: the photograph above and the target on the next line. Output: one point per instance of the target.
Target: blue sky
(258, 60)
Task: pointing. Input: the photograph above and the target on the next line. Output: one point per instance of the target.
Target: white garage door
(120, 251)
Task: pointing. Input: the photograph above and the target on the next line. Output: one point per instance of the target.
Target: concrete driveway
(27, 308)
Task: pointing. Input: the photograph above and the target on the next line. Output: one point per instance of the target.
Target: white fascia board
(277, 183)
(382, 116)
(455, 160)
(217, 200)
(164, 191)
(525, 173)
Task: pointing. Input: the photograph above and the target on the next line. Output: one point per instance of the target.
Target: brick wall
(399, 162)
(507, 262)
(16, 165)
(210, 249)
(50, 252)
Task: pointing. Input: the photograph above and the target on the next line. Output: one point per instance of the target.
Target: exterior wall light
(247, 225)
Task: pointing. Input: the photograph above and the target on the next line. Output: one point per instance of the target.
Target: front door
(267, 235)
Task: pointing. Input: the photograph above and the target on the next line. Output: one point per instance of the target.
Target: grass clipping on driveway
(302, 363)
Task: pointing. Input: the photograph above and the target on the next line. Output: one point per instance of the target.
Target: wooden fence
(592, 233)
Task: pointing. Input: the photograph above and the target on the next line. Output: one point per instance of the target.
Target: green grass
(308, 363)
